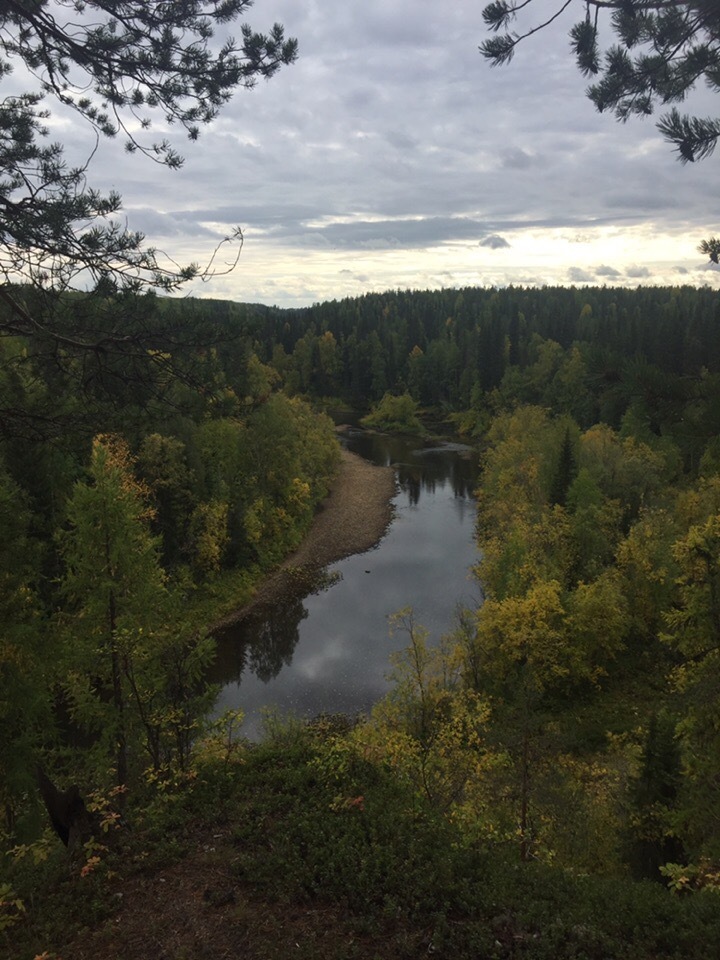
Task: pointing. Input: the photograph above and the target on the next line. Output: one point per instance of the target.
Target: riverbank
(352, 519)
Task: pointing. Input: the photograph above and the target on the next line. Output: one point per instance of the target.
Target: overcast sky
(391, 155)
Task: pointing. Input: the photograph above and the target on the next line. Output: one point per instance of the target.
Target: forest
(568, 727)
(139, 499)
(594, 656)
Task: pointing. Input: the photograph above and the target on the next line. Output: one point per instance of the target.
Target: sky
(392, 155)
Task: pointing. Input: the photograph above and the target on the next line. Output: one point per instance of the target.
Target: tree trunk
(525, 843)
(118, 701)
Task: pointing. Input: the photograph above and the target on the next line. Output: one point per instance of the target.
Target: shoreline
(353, 518)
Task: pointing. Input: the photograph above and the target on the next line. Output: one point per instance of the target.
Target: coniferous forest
(542, 783)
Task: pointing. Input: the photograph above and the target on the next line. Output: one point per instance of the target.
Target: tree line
(593, 352)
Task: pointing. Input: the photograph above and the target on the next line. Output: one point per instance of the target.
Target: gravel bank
(350, 520)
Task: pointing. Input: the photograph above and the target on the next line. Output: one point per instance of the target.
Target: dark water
(326, 647)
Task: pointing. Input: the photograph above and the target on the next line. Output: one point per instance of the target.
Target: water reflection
(419, 468)
(325, 645)
(266, 639)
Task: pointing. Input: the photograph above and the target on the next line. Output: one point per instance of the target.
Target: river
(326, 646)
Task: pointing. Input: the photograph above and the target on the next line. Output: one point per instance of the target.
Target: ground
(198, 909)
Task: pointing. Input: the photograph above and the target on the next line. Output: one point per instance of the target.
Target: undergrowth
(308, 822)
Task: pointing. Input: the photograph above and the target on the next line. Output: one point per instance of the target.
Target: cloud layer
(391, 154)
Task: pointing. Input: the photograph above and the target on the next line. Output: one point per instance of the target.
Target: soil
(352, 519)
(197, 909)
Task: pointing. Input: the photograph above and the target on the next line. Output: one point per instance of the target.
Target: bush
(395, 415)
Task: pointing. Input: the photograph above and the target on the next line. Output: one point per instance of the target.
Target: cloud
(384, 234)
(517, 159)
(643, 201)
(154, 223)
(393, 142)
(494, 242)
(578, 275)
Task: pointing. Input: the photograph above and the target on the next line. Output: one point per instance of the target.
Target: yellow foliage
(209, 532)
(690, 877)
(527, 632)
(112, 452)
(598, 620)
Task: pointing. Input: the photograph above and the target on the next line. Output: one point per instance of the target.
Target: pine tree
(24, 700)
(132, 674)
(654, 796)
(117, 66)
(663, 49)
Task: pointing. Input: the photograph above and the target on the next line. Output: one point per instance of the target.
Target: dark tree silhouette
(67, 811)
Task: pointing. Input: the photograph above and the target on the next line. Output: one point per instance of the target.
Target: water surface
(325, 646)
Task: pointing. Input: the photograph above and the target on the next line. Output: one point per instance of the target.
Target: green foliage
(11, 907)
(625, 469)
(526, 734)
(395, 414)
(24, 708)
(208, 537)
(564, 472)
(128, 674)
(344, 830)
(162, 464)
(313, 822)
(428, 730)
(290, 456)
(654, 794)
(693, 631)
(76, 283)
(486, 350)
(319, 821)
(570, 589)
(595, 524)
